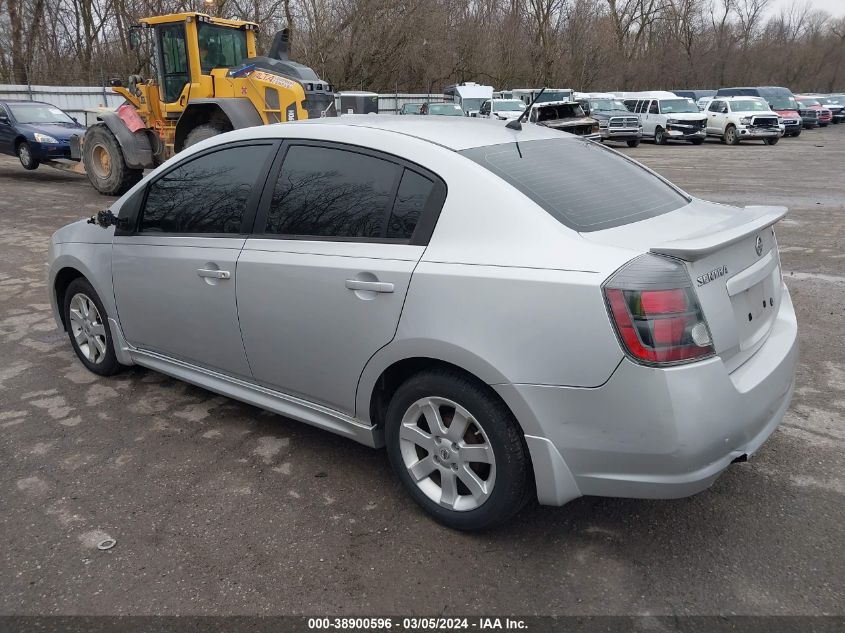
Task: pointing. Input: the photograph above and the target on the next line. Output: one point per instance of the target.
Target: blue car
(35, 131)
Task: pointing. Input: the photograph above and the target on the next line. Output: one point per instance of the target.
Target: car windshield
(38, 113)
(809, 103)
(412, 107)
(783, 103)
(607, 104)
(508, 106)
(445, 109)
(559, 111)
(554, 95)
(561, 174)
(472, 104)
(677, 106)
(749, 105)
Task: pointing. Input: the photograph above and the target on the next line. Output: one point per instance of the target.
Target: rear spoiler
(690, 249)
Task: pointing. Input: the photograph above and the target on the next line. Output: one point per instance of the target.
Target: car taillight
(656, 313)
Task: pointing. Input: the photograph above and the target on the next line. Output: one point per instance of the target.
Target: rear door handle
(372, 286)
(214, 274)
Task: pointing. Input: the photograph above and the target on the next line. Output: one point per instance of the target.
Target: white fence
(75, 100)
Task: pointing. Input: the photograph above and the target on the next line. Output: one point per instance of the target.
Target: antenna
(516, 124)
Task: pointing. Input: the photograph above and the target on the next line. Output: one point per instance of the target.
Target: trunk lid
(732, 259)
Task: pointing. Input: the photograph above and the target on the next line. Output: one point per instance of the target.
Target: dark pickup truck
(616, 122)
(566, 116)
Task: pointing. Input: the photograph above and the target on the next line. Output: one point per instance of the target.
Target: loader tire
(205, 131)
(105, 164)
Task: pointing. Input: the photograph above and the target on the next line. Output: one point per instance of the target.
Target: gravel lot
(220, 508)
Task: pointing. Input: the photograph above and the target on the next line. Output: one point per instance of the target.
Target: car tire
(697, 141)
(86, 322)
(105, 163)
(24, 152)
(731, 137)
(771, 141)
(438, 469)
(634, 143)
(659, 136)
(796, 134)
(206, 131)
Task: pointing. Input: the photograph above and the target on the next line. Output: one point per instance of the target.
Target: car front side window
(208, 194)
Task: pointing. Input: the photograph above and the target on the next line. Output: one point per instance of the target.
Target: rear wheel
(660, 136)
(24, 152)
(731, 137)
(457, 450)
(205, 131)
(634, 142)
(771, 141)
(105, 164)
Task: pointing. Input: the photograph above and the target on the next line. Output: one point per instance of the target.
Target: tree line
(423, 45)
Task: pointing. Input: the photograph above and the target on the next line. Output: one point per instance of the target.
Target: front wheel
(660, 136)
(731, 137)
(634, 142)
(205, 131)
(771, 141)
(25, 156)
(87, 326)
(457, 450)
(105, 164)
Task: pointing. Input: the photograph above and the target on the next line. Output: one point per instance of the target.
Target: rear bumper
(656, 433)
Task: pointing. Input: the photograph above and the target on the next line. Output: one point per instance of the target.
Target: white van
(469, 95)
(667, 117)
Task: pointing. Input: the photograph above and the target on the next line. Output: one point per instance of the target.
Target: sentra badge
(706, 278)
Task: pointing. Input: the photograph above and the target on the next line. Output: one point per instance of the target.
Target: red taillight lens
(657, 325)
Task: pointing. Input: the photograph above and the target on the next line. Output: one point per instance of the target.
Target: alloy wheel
(447, 453)
(87, 328)
(24, 154)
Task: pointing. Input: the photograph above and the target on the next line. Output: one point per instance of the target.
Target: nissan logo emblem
(758, 246)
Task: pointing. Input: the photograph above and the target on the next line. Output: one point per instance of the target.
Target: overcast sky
(834, 7)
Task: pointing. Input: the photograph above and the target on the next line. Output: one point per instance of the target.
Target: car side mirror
(75, 120)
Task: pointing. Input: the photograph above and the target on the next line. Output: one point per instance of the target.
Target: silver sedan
(514, 314)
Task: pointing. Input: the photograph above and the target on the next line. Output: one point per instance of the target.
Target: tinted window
(413, 193)
(561, 175)
(208, 194)
(220, 46)
(329, 192)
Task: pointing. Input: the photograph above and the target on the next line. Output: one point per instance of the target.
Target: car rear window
(582, 184)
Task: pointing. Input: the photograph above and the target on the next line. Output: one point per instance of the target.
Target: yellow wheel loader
(208, 80)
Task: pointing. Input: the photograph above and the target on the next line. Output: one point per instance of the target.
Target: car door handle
(214, 274)
(372, 286)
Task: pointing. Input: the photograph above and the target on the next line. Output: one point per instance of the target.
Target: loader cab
(189, 47)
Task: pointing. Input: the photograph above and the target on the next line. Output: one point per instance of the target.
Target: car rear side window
(330, 192)
(208, 194)
(583, 185)
(411, 199)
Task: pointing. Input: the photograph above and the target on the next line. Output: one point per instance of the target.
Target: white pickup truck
(735, 119)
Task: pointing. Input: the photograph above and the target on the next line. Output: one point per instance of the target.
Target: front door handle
(372, 286)
(214, 274)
